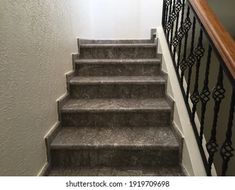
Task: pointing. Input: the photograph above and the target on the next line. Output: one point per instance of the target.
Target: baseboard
(60, 103)
(176, 128)
(48, 139)
(185, 171)
(44, 170)
(50, 135)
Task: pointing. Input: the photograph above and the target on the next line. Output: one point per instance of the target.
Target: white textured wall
(115, 19)
(36, 42)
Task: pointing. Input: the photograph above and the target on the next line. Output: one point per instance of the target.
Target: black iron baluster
(198, 54)
(163, 14)
(174, 14)
(178, 8)
(166, 15)
(227, 149)
(180, 37)
(183, 64)
(205, 94)
(167, 4)
(191, 59)
(173, 17)
(218, 96)
(168, 27)
(176, 29)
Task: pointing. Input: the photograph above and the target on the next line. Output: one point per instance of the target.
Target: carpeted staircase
(117, 119)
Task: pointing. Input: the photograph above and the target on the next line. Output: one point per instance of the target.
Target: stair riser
(118, 91)
(117, 70)
(115, 157)
(118, 53)
(161, 118)
(142, 41)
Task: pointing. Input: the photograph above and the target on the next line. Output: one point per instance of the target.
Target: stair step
(117, 79)
(118, 146)
(116, 112)
(118, 61)
(117, 119)
(122, 137)
(101, 105)
(122, 45)
(118, 51)
(107, 171)
(134, 41)
(117, 67)
(118, 87)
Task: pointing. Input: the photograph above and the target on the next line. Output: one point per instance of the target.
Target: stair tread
(117, 61)
(116, 79)
(123, 45)
(122, 137)
(105, 171)
(76, 105)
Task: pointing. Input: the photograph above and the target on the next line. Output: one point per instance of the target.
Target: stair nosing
(78, 109)
(106, 41)
(97, 110)
(118, 61)
(74, 142)
(116, 80)
(110, 146)
(175, 170)
(140, 45)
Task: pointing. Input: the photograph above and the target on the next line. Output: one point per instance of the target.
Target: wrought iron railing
(207, 85)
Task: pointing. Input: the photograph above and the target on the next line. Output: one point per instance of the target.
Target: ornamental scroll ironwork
(173, 15)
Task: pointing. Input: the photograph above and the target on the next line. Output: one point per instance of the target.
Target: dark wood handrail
(217, 32)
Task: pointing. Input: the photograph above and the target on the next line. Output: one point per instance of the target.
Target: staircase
(117, 119)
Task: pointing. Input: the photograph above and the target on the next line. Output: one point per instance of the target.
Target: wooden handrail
(219, 35)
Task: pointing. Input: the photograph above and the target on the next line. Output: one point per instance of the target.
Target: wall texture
(36, 42)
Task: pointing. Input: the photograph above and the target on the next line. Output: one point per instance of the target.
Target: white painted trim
(186, 171)
(62, 97)
(192, 160)
(51, 129)
(178, 129)
(56, 124)
(69, 72)
(49, 132)
(43, 169)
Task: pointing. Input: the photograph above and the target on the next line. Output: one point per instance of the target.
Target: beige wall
(36, 42)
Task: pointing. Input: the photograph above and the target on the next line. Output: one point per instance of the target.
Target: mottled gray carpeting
(117, 119)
